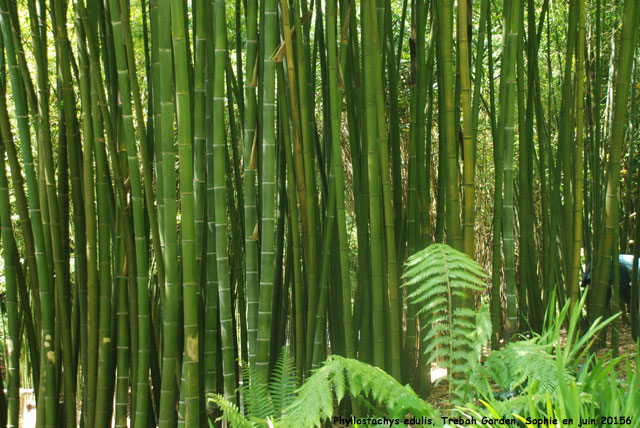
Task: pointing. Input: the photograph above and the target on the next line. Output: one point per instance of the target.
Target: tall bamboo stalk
(507, 129)
(269, 193)
(447, 130)
(468, 142)
(622, 82)
(220, 200)
(169, 213)
(574, 273)
(13, 321)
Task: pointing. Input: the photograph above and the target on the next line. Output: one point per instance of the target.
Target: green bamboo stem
(496, 254)
(157, 109)
(292, 200)
(137, 202)
(636, 247)
(141, 133)
(479, 70)
(305, 95)
(122, 334)
(220, 197)
(373, 169)
(202, 39)
(319, 321)
(335, 107)
(269, 192)
(506, 127)
(605, 249)
(29, 89)
(295, 113)
(61, 275)
(387, 201)
(565, 147)
(64, 58)
(171, 298)
(102, 410)
(199, 129)
(416, 122)
(523, 285)
(526, 213)
(249, 182)
(394, 117)
(181, 64)
(26, 229)
(596, 211)
(574, 273)
(91, 343)
(48, 391)
(467, 133)
(211, 287)
(454, 232)
(425, 60)
(13, 320)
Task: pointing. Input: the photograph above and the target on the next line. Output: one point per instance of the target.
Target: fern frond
(314, 402)
(438, 275)
(521, 363)
(230, 412)
(283, 383)
(257, 401)
(382, 387)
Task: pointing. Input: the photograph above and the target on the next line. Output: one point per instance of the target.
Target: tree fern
(455, 336)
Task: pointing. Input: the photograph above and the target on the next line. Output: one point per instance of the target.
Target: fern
(283, 383)
(529, 371)
(339, 375)
(262, 401)
(230, 412)
(314, 402)
(438, 275)
(257, 402)
(521, 363)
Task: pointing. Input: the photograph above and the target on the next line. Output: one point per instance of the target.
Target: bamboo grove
(187, 187)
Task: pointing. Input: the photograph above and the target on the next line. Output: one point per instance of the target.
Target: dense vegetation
(188, 187)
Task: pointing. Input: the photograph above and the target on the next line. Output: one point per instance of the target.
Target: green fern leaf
(314, 402)
(437, 276)
(283, 383)
(256, 398)
(230, 412)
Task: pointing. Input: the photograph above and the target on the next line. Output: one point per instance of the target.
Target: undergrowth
(549, 379)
